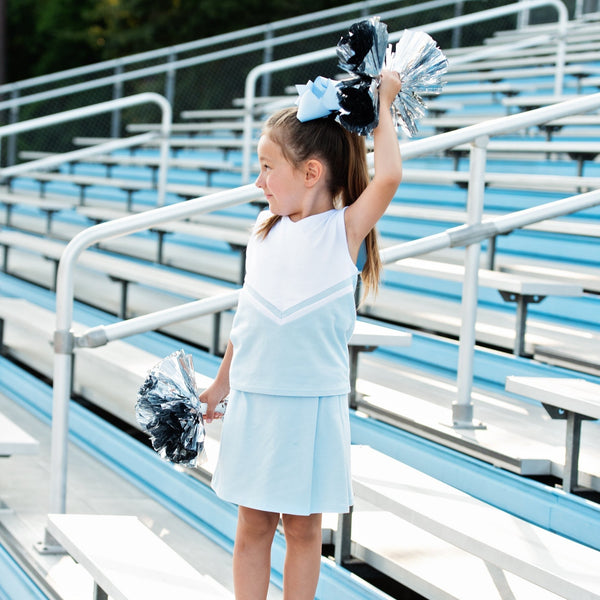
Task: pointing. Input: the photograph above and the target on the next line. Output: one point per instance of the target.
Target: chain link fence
(214, 83)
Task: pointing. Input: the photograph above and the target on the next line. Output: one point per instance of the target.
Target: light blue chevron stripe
(283, 314)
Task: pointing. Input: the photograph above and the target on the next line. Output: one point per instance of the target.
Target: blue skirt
(285, 454)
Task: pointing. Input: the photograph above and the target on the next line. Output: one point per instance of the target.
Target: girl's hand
(390, 86)
(211, 396)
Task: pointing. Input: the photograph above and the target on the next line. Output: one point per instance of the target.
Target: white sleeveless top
(296, 310)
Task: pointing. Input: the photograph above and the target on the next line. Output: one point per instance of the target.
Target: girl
(285, 445)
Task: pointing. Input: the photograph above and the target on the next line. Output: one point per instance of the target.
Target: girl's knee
(257, 523)
(302, 528)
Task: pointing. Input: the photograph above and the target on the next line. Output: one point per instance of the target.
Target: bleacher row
(407, 524)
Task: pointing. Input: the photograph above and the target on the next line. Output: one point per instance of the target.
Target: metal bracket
(462, 417)
(64, 342)
(49, 545)
(528, 298)
(556, 412)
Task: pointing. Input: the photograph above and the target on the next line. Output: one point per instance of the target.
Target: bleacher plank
(46, 205)
(127, 185)
(571, 399)
(507, 542)
(576, 346)
(216, 113)
(505, 282)
(190, 128)
(226, 145)
(129, 562)
(587, 278)
(14, 440)
(531, 181)
(575, 395)
(518, 436)
(119, 268)
(233, 236)
(565, 226)
(152, 162)
(126, 273)
(494, 64)
(431, 567)
(494, 75)
(581, 151)
(536, 101)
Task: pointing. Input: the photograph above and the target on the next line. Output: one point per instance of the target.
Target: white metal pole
(249, 95)
(523, 18)
(165, 129)
(561, 50)
(462, 408)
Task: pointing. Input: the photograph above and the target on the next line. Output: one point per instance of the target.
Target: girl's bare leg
(252, 553)
(303, 556)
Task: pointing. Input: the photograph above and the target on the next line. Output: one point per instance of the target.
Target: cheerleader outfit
(285, 444)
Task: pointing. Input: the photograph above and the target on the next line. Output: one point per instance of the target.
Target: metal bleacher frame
(469, 235)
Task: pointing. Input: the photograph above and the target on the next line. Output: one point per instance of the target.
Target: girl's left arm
(363, 214)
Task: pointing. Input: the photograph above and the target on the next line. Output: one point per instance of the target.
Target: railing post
(457, 31)
(11, 150)
(165, 148)
(523, 18)
(170, 80)
(265, 84)
(561, 50)
(115, 120)
(462, 408)
(61, 390)
(249, 96)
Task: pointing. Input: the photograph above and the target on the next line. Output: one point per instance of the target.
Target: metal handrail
(469, 235)
(450, 238)
(88, 111)
(328, 53)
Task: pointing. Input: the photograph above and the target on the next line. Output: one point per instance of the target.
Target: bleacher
(506, 508)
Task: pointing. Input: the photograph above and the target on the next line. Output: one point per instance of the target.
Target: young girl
(285, 445)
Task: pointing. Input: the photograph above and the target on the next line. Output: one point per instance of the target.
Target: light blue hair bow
(317, 99)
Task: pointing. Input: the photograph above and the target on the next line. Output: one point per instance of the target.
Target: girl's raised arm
(363, 214)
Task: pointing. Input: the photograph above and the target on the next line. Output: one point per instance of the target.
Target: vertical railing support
(11, 150)
(170, 80)
(115, 119)
(457, 31)
(265, 84)
(523, 18)
(462, 408)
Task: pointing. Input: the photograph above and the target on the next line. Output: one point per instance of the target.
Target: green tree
(45, 36)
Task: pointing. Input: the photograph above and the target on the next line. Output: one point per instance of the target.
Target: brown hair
(345, 156)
